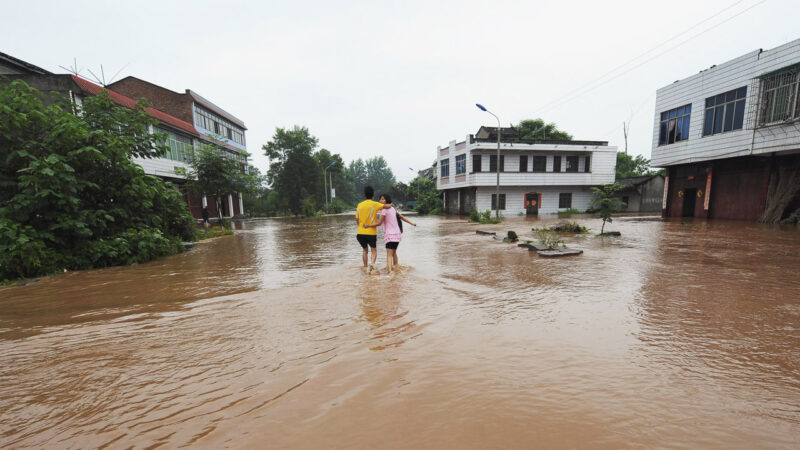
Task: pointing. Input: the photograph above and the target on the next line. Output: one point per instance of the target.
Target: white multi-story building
(536, 176)
(729, 137)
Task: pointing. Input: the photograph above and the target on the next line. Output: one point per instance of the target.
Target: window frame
(673, 125)
(543, 163)
(461, 164)
(556, 163)
(718, 108)
(444, 166)
(561, 200)
(572, 167)
(787, 78)
(502, 201)
(523, 163)
(477, 163)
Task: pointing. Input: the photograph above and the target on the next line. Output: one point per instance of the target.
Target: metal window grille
(461, 164)
(779, 96)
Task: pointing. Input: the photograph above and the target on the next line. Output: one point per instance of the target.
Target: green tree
(538, 129)
(379, 175)
(423, 192)
(628, 166)
(605, 202)
(293, 170)
(358, 173)
(70, 195)
(216, 172)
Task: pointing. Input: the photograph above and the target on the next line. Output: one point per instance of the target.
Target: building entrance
(689, 200)
(532, 204)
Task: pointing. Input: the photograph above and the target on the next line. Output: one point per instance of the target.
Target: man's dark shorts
(392, 245)
(367, 239)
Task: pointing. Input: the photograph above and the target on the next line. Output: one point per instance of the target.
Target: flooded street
(674, 335)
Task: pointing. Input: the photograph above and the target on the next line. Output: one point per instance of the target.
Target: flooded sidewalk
(678, 334)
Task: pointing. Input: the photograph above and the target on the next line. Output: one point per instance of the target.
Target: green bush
(337, 206)
(71, 196)
(569, 211)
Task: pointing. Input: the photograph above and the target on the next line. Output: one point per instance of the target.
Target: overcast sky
(399, 78)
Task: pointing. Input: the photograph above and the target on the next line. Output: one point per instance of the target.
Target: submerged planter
(611, 233)
(485, 233)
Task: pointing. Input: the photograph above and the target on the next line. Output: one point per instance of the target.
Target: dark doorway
(689, 199)
(532, 204)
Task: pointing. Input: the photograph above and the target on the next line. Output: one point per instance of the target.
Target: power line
(597, 82)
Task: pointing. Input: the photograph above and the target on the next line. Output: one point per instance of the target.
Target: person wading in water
(367, 213)
(392, 231)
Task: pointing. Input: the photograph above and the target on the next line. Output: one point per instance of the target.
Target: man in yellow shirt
(367, 213)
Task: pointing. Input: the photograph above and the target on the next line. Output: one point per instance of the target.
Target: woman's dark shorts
(392, 245)
(367, 239)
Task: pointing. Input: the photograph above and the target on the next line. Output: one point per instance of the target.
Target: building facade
(536, 176)
(182, 138)
(729, 138)
(642, 194)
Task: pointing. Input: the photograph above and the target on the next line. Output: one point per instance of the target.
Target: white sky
(399, 78)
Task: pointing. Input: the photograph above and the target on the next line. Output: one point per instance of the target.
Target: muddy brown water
(677, 334)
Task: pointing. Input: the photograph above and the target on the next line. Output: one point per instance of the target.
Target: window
(588, 166)
(476, 163)
(556, 164)
(565, 200)
(539, 163)
(724, 112)
(523, 163)
(572, 164)
(674, 125)
(461, 164)
(493, 163)
(180, 147)
(445, 165)
(779, 96)
(502, 201)
(213, 123)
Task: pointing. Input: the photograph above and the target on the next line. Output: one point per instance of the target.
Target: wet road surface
(677, 334)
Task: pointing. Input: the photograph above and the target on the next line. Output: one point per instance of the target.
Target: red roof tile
(93, 89)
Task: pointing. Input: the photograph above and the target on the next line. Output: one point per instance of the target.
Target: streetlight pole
(497, 166)
(325, 181)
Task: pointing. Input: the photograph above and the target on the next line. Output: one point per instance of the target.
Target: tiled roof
(93, 89)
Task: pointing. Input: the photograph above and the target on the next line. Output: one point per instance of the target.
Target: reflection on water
(679, 333)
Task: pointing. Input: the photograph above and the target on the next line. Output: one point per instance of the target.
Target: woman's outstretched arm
(403, 218)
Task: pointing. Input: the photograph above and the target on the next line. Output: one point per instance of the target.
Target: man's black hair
(369, 192)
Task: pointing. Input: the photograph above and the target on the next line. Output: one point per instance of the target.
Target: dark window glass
(741, 92)
(476, 163)
(523, 163)
(674, 125)
(730, 96)
(718, 111)
(461, 164)
(588, 166)
(709, 102)
(556, 164)
(502, 201)
(445, 167)
(492, 163)
(572, 164)
(738, 117)
(540, 163)
(502, 163)
(708, 126)
(565, 200)
(720, 99)
(728, 117)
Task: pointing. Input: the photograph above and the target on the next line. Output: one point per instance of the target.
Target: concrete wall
(742, 71)
(515, 198)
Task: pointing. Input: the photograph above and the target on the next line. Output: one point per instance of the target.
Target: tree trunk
(783, 194)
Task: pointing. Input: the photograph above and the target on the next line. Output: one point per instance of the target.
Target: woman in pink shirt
(392, 234)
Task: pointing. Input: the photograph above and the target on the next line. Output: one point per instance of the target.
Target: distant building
(212, 124)
(642, 194)
(13, 66)
(536, 176)
(729, 138)
(183, 137)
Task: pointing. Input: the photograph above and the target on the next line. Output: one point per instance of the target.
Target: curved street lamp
(497, 166)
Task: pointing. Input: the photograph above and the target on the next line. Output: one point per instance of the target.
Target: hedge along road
(683, 334)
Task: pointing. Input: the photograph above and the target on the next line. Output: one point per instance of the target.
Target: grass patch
(565, 227)
(569, 211)
(483, 217)
(212, 232)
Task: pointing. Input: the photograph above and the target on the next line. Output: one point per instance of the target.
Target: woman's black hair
(387, 197)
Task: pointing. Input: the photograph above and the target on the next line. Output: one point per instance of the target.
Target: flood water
(677, 334)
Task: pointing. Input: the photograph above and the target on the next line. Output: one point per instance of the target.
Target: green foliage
(293, 171)
(550, 239)
(538, 129)
(337, 206)
(628, 166)
(565, 227)
(605, 202)
(483, 217)
(212, 232)
(214, 171)
(423, 191)
(373, 172)
(569, 211)
(70, 195)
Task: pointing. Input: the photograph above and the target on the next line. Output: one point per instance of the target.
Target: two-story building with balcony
(729, 137)
(536, 176)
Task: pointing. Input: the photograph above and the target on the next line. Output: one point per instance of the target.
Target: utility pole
(625, 131)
